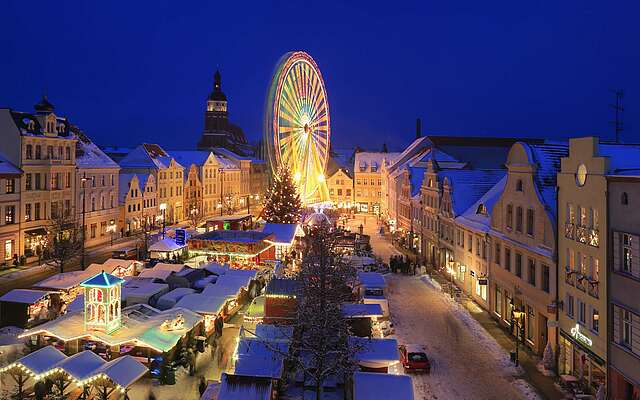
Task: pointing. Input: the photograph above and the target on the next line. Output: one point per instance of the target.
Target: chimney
(418, 128)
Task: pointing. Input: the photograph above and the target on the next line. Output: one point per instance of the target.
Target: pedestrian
(151, 396)
(202, 386)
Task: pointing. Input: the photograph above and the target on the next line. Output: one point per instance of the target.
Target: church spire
(217, 82)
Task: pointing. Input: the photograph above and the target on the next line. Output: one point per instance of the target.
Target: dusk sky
(128, 72)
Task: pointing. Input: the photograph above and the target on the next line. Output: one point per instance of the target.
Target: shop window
(531, 317)
(498, 303)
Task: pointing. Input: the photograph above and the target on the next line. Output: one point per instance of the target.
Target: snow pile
(527, 391)
(426, 278)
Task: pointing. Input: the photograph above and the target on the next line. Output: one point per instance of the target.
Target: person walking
(202, 386)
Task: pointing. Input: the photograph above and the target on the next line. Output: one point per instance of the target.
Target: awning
(36, 232)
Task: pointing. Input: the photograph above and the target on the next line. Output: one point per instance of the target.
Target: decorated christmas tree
(283, 205)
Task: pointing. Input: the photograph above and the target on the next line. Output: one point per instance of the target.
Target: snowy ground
(467, 363)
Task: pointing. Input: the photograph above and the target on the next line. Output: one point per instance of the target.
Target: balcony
(569, 230)
(569, 276)
(594, 237)
(594, 288)
(581, 282)
(582, 234)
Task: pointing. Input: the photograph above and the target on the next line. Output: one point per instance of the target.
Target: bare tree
(196, 215)
(321, 347)
(64, 237)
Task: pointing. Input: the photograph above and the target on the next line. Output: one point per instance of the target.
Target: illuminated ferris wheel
(297, 129)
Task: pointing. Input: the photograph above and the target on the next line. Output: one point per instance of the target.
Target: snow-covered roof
(166, 245)
(141, 291)
(161, 274)
(624, 159)
(258, 357)
(141, 324)
(124, 185)
(147, 156)
(371, 279)
(188, 157)
(282, 287)
(81, 365)
(547, 158)
(375, 352)
(469, 185)
(64, 281)
(274, 333)
(26, 296)
(416, 150)
(284, 233)
(88, 155)
(238, 387)
(169, 299)
(41, 360)
(482, 221)
(360, 310)
(365, 161)
(102, 279)
(376, 386)
(124, 370)
(7, 168)
(216, 269)
(169, 267)
(229, 284)
(203, 304)
(110, 266)
(416, 176)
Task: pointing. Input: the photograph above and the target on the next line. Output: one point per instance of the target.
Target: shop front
(35, 241)
(576, 359)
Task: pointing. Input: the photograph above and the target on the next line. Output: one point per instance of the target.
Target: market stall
(25, 308)
(166, 249)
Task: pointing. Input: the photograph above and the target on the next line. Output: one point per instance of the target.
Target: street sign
(181, 237)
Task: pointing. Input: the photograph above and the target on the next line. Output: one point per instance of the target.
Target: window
(595, 320)
(9, 214)
(509, 216)
(545, 278)
(627, 328)
(530, 222)
(348, 192)
(507, 259)
(583, 216)
(571, 215)
(594, 219)
(27, 182)
(38, 182)
(627, 257)
(36, 211)
(29, 152)
(27, 212)
(67, 153)
(498, 303)
(93, 230)
(519, 185)
(11, 186)
(470, 243)
(49, 152)
(38, 152)
(129, 208)
(496, 256)
(569, 305)
(481, 209)
(530, 323)
(519, 265)
(477, 247)
(582, 312)
(519, 219)
(531, 273)
(68, 182)
(624, 199)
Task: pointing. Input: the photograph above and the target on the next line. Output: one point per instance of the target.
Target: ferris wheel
(297, 126)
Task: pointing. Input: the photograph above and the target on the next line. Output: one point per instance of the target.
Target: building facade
(368, 176)
(10, 186)
(340, 185)
(139, 207)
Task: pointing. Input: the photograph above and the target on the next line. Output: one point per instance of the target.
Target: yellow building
(139, 207)
(368, 178)
(10, 186)
(340, 185)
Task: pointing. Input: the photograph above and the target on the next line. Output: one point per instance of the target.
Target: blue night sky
(128, 72)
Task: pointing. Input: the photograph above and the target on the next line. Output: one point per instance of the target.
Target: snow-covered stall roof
(81, 365)
(375, 353)
(141, 325)
(360, 310)
(169, 267)
(161, 274)
(257, 357)
(203, 304)
(123, 371)
(238, 387)
(282, 287)
(63, 281)
(166, 245)
(141, 291)
(274, 333)
(26, 296)
(284, 233)
(375, 386)
(229, 283)
(216, 269)
(40, 361)
(169, 299)
(371, 279)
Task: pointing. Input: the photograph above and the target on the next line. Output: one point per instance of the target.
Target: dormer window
(482, 209)
(519, 185)
(31, 125)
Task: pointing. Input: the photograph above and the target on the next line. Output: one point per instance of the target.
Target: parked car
(413, 358)
(125, 254)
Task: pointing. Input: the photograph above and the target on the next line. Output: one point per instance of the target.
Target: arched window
(624, 199)
(519, 185)
(29, 152)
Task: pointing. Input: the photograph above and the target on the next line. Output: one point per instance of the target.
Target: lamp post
(163, 207)
(112, 228)
(518, 327)
(83, 180)
(253, 197)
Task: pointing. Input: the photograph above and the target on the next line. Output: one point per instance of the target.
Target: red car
(413, 358)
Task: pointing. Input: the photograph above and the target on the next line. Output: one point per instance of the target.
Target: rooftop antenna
(618, 108)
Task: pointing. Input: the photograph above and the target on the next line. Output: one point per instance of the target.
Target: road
(464, 367)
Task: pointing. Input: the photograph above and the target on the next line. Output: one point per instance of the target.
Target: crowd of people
(402, 264)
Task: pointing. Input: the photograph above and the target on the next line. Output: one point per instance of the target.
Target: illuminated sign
(577, 335)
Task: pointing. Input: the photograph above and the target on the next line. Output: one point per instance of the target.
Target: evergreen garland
(283, 205)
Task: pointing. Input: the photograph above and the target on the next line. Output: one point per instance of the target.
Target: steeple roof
(216, 94)
(44, 105)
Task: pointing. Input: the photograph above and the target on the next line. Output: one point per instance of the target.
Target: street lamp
(83, 180)
(518, 327)
(111, 228)
(163, 208)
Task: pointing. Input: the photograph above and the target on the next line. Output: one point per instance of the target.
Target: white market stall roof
(375, 353)
(77, 304)
(141, 326)
(81, 365)
(169, 299)
(26, 296)
(166, 245)
(238, 387)
(230, 283)
(169, 267)
(274, 333)
(360, 310)
(141, 291)
(371, 279)
(216, 269)
(124, 370)
(64, 281)
(40, 361)
(161, 274)
(258, 358)
(203, 304)
(284, 233)
(375, 386)
(111, 265)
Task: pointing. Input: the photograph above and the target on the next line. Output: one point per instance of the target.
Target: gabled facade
(368, 177)
(139, 207)
(340, 185)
